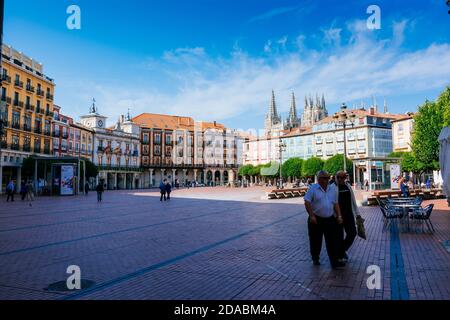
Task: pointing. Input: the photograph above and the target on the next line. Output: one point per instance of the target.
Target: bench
(287, 193)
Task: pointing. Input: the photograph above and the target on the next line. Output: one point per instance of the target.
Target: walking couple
(332, 209)
(165, 188)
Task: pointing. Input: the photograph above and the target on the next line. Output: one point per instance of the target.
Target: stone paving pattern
(206, 243)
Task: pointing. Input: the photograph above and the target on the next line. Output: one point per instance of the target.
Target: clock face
(100, 123)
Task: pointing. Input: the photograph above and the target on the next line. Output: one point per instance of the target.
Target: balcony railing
(49, 96)
(6, 99)
(47, 132)
(18, 103)
(15, 147)
(27, 148)
(6, 78)
(29, 107)
(37, 149)
(15, 125)
(46, 150)
(120, 168)
(37, 130)
(18, 84)
(3, 144)
(27, 127)
(40, 92)
(30, 88)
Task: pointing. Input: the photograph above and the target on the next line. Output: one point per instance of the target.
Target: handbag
(361, 229)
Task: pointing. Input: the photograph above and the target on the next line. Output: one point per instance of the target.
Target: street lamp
(344, 119)
(281, 148)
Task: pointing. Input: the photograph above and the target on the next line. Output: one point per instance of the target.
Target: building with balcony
(27, 112)
(402, 129)
(179, 148)
(116, 150)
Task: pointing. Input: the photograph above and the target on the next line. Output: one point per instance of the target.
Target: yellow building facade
(27, 96)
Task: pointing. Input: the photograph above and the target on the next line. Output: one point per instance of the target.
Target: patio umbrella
(444, 159)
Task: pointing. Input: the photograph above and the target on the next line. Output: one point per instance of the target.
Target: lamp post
(344, 119)
(281, 148)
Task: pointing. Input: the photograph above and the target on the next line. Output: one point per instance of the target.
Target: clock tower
(93, 119)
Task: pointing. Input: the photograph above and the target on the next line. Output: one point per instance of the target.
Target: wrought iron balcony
(40, 92)
(49, 96)
(6, 78)
(30, 88)
(18, 84)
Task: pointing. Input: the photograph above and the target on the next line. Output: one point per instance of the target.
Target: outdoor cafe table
(406, 207)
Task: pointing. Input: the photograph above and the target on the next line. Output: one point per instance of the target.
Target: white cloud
(218, 88)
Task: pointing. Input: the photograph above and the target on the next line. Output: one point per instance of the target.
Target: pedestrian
(162, 189)
(86, 188)
(349, 211)
(168, 190)
(30, 191)
(10, 190)
(100, 189)
(366, 185)
(322, 205)
(23, 190)
(404, 187)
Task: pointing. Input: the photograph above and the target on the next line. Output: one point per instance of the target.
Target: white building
(116, 151)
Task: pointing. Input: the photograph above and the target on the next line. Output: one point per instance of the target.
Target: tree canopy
(292, 168)
(428, 123)
(311, 166)
(336, 163)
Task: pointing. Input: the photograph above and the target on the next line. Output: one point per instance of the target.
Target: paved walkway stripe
(168, 262)
(95, 218)
(110, 233)
(399, 286)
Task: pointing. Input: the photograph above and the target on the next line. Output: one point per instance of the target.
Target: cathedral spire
(385, 106)
(273, 113)
(293, 121)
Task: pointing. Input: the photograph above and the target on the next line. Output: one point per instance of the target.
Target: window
(16, 119)
(158, 138)
(157, 150)
(168, 139)
(3, 94)
(145, 138)
(15, 142)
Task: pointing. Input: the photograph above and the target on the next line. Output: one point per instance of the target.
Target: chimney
(372, 110)
(122, 118)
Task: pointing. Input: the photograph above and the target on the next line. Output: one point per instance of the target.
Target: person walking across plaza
(168, 190)
(100, 189)
(23, 190)
(322, 205)
(349, 211)
(162, 189)
(30, 191)
(86, 189)
(10, 190)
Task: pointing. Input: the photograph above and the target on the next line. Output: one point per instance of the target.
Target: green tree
(311, 166)
(443, 102)
(336, 163)
(428, 123)
(292, 168)
(244, 170)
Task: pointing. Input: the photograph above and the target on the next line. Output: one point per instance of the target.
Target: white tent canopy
(444, 159)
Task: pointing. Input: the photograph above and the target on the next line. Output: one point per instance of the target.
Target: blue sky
(219, 60)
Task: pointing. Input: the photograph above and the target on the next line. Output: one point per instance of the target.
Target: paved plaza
(206, 243)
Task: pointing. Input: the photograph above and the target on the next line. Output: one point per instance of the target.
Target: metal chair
(389, 214)
(423, 215)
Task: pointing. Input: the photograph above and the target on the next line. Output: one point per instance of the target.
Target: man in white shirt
(322, 205)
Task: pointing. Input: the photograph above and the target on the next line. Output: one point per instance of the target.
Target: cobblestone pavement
(206, 243)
